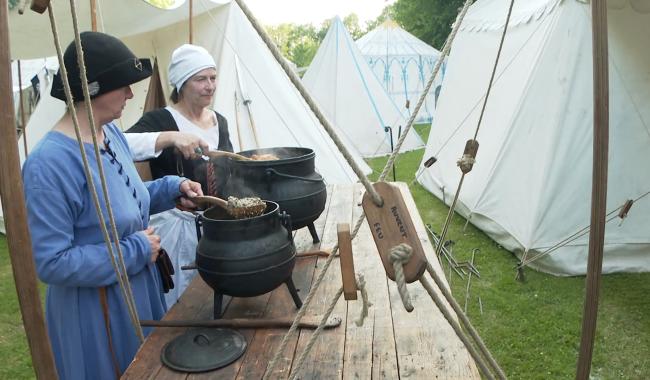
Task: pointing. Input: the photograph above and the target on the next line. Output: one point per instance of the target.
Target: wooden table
(391, 344)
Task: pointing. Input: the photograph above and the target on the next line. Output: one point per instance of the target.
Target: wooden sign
(347, 261)
(391, 225)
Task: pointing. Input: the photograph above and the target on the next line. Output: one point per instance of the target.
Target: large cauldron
(291, 181)
(246, 257)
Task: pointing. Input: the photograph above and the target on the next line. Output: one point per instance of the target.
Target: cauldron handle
(285, 219)
(272, 172)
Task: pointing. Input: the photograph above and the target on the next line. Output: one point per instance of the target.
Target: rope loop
(361, 285)
(466, 163)
(399, 256)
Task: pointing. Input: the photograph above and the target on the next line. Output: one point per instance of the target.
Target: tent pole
(13, 204)
(598, 187)
(190, 20)
(23, 125)
(93, 15)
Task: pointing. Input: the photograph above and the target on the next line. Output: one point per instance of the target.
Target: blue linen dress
(71, 256)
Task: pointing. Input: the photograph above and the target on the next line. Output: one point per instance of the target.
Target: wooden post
(13, 205)
(190, 20)
(598, 186)
(93, 15)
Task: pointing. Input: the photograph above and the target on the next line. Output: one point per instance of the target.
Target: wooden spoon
(238, 208)
(220, 153)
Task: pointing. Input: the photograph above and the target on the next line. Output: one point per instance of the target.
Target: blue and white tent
(352, 97)
(403, 64)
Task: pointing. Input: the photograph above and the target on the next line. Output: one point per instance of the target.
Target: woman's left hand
(189, 189)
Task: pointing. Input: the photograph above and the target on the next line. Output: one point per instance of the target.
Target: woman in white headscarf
(193, 77)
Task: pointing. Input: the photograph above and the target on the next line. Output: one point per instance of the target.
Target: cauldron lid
(201, 350)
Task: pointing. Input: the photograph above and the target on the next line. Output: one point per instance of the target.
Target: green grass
(16, 359)
(533, 328)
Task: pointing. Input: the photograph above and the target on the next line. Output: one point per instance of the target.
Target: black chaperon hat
(109, 65)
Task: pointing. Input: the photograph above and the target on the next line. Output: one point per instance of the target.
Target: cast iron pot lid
(204, 349)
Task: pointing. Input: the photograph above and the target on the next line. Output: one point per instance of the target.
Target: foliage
(299, 42)
(533, 327)
(428, 20)
(162, 4)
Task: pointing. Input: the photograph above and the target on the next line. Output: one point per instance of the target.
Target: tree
(428, 20)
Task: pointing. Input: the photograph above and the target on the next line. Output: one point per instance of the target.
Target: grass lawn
(532, 327)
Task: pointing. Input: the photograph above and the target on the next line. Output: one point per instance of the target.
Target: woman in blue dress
(87, 318)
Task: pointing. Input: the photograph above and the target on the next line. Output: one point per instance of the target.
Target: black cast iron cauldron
(246, 257)
(291, 181)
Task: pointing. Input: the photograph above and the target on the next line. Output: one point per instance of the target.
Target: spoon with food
(238, 208)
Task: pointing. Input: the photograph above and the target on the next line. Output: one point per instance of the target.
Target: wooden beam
(598, 186)
(13, 206)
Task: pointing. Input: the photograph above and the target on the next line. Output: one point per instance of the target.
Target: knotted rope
(365, 303)
(399, 256)
(361, 284)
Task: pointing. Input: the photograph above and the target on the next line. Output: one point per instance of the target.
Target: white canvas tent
(248, 77)
(403, 64)
(531, 185)
(352, 98)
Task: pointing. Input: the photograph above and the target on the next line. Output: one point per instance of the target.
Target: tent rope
(361, 285)
(399, 256)
(100, 167)
(271, 365)
(574, 236)
(421, 170)
(122, 280)
(463, 318)
(312, 104)
(463, 162)
(445, 51)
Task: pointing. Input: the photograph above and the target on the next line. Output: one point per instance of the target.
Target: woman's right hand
(154, 243)
(185, 143)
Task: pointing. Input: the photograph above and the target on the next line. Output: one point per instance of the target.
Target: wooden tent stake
(13, 205)
(347, 261)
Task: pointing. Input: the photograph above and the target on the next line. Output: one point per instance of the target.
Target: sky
(273, 12)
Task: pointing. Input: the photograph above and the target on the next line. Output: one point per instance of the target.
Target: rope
(457, 329)
(574, 236)
(361, 284)
(306, 302)
(465, 321)
(464, 161)
(292, 76)
(425, 92)
(91, 119)
(312, 104)
(399, 256)
(89, 179)
(314, 336)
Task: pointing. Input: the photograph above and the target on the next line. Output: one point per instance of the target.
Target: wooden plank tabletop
(391, 344)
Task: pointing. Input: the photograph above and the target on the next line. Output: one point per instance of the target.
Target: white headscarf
(186, 61)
